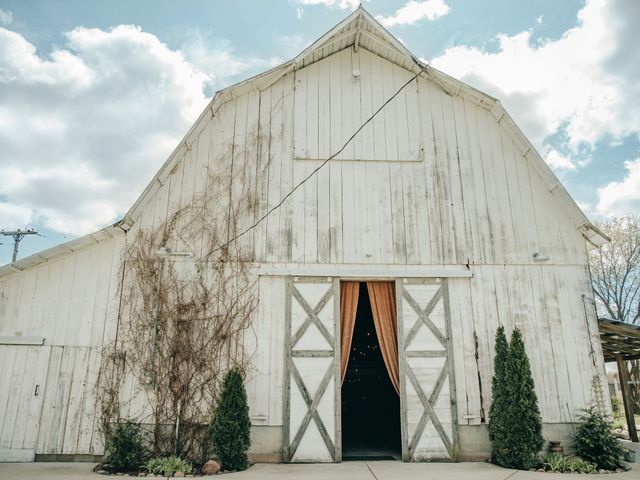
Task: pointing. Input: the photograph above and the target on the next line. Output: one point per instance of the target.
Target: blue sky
(95, 95)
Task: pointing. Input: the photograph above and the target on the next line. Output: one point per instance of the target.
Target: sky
(94, 96)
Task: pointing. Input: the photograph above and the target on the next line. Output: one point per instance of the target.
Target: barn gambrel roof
(359, 30)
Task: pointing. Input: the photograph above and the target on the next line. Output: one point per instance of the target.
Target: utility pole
(17, 236)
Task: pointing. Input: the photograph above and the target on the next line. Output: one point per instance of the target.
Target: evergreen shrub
(595, 440)
(499, 427)
(230, 433)
(515, 426)
(124, 446)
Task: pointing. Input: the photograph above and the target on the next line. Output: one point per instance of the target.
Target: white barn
(440, 194)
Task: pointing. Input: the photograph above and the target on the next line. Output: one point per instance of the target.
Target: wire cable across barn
(317, 169)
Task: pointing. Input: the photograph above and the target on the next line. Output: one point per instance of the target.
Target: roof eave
(63, 249)
(593, 234)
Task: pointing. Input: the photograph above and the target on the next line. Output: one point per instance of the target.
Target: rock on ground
(210, 468)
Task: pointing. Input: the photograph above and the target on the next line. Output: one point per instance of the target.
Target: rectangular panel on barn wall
(22, 386)
(359, 75)
(69, 403)
(264, 342)
(311, 430)
(427, 389)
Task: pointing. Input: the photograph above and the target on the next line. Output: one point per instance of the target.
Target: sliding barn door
(312, 382)
(427, 398)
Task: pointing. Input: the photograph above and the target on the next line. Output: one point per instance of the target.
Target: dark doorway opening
(370, 404)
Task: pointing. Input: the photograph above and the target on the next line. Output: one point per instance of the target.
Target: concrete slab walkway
(383, 470)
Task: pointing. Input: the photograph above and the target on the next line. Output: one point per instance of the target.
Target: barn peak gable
(361, 30)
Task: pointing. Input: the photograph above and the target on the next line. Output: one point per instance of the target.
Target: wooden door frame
(404, 440)
(402, 361)
(286, 433)
(337, 324)
(399, 282)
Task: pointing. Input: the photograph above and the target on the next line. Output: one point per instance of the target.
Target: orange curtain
(349, 292)
(383, 306)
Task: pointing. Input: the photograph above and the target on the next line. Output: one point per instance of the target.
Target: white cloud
(584, 83)
(84, 129)
(218, 59)
(558, 161)
(6, 17)
(623, 197)
(413, 11)
(342, 4)
(14, 216)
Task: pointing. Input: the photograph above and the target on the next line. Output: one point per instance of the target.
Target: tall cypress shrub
(527, 440)
(517, 439)
(498, 421)
(230, 431)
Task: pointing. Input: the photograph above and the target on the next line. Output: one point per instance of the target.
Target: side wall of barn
(62, 312)
(553, 309)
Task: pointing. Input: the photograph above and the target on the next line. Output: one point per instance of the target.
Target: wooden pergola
(621, 342)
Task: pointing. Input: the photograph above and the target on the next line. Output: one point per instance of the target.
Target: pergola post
(623, 375)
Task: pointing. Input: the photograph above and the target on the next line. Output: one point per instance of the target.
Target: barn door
(426, 374)
(23, 378)
(312, 384)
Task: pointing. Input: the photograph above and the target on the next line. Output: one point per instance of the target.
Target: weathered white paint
(312, 373)
(23, 367)
(545, 303)
(70, 302)
(441, 184)
(428, 419)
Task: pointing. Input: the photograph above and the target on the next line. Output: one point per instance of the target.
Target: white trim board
(364, 270)
(17, 340)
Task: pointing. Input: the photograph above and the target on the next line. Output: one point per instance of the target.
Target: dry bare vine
(183, 320)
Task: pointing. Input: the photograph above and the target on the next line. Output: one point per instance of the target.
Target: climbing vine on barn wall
(183, 319)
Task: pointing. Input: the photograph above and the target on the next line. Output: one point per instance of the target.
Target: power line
(313, 172)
